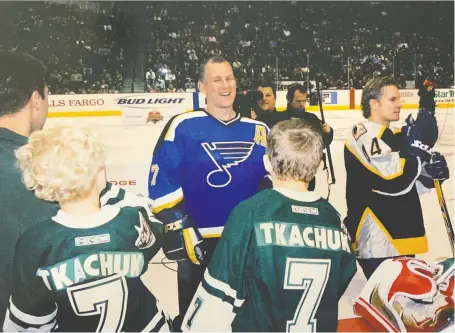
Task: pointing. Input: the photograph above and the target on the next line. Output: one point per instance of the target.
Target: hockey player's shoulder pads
(369, 140)
(407, 294)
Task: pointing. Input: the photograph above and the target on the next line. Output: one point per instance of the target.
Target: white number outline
(155, 169)
(119, 293)
(309, 273)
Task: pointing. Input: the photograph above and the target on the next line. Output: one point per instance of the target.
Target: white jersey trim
(224, 287)
(175, 196)
(407, 189)
(29, 319)
(112, 193)
(170, 135)
(105, 215)
(211, 231)
(296, 195)
(152, 324)
(252, 121)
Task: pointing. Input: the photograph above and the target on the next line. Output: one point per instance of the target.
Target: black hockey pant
(189, 277)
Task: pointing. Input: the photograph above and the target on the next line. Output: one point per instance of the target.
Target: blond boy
(80, 270)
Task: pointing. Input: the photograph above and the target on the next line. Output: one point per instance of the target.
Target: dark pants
(370, 265)
(189, 276)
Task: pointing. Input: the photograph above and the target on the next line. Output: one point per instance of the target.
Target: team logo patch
(358, 131)
(92, 240)
(225, 155)
(146, 237)
(305, 210)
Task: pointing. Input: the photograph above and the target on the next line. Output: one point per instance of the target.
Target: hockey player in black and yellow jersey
(387, 169)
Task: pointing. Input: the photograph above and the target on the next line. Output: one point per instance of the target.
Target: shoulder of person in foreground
(149, 225)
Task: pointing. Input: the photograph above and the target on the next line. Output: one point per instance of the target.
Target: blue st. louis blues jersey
(205, 167)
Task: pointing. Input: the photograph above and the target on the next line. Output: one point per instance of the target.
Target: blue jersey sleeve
(164, 185)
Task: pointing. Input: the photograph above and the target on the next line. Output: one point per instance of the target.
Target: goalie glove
(182, 240)
(407, 295)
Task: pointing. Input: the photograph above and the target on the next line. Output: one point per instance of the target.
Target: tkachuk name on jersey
(87, 267)
(291, 234)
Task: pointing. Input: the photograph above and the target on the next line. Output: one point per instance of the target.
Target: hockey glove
(435, 169)
(183, 241)
(420, 134)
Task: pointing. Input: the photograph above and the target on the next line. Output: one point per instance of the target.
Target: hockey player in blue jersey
(204, 164)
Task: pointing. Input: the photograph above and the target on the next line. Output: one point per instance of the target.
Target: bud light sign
(136, 102)
(136, 109)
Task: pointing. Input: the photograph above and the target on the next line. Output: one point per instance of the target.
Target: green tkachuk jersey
(83, 273)
(282, 264)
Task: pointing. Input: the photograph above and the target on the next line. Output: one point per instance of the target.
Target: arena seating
(284, 40)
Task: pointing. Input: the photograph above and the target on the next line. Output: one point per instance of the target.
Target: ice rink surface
(131, 147)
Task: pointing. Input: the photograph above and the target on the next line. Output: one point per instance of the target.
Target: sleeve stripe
(168, 201)
(112, 193)
(252, 121)
(217, 293)
(190, 241)
(235, 303)
(406, 190)
(155, 324)
(224, 287)
(29, 319)
(120, 196)
(213, 232)
(373, 170)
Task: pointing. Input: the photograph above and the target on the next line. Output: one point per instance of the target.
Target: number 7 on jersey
(310, 276)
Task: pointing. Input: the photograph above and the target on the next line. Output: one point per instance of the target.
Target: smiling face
(218, 85)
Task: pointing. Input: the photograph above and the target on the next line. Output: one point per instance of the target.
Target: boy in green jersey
(283, 260)
(80, 270)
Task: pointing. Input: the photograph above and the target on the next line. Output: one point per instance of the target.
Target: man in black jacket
(296, 96)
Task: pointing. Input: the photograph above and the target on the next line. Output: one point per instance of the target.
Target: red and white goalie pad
(409, 295)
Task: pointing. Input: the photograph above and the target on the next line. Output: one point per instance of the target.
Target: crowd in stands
(77, 43)
(287, 40)
(346, 43)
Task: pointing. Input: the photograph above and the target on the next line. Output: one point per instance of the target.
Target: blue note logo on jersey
(226, 155)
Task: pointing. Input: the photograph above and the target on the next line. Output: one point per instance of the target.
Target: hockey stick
(327, 147)
(445, 214)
